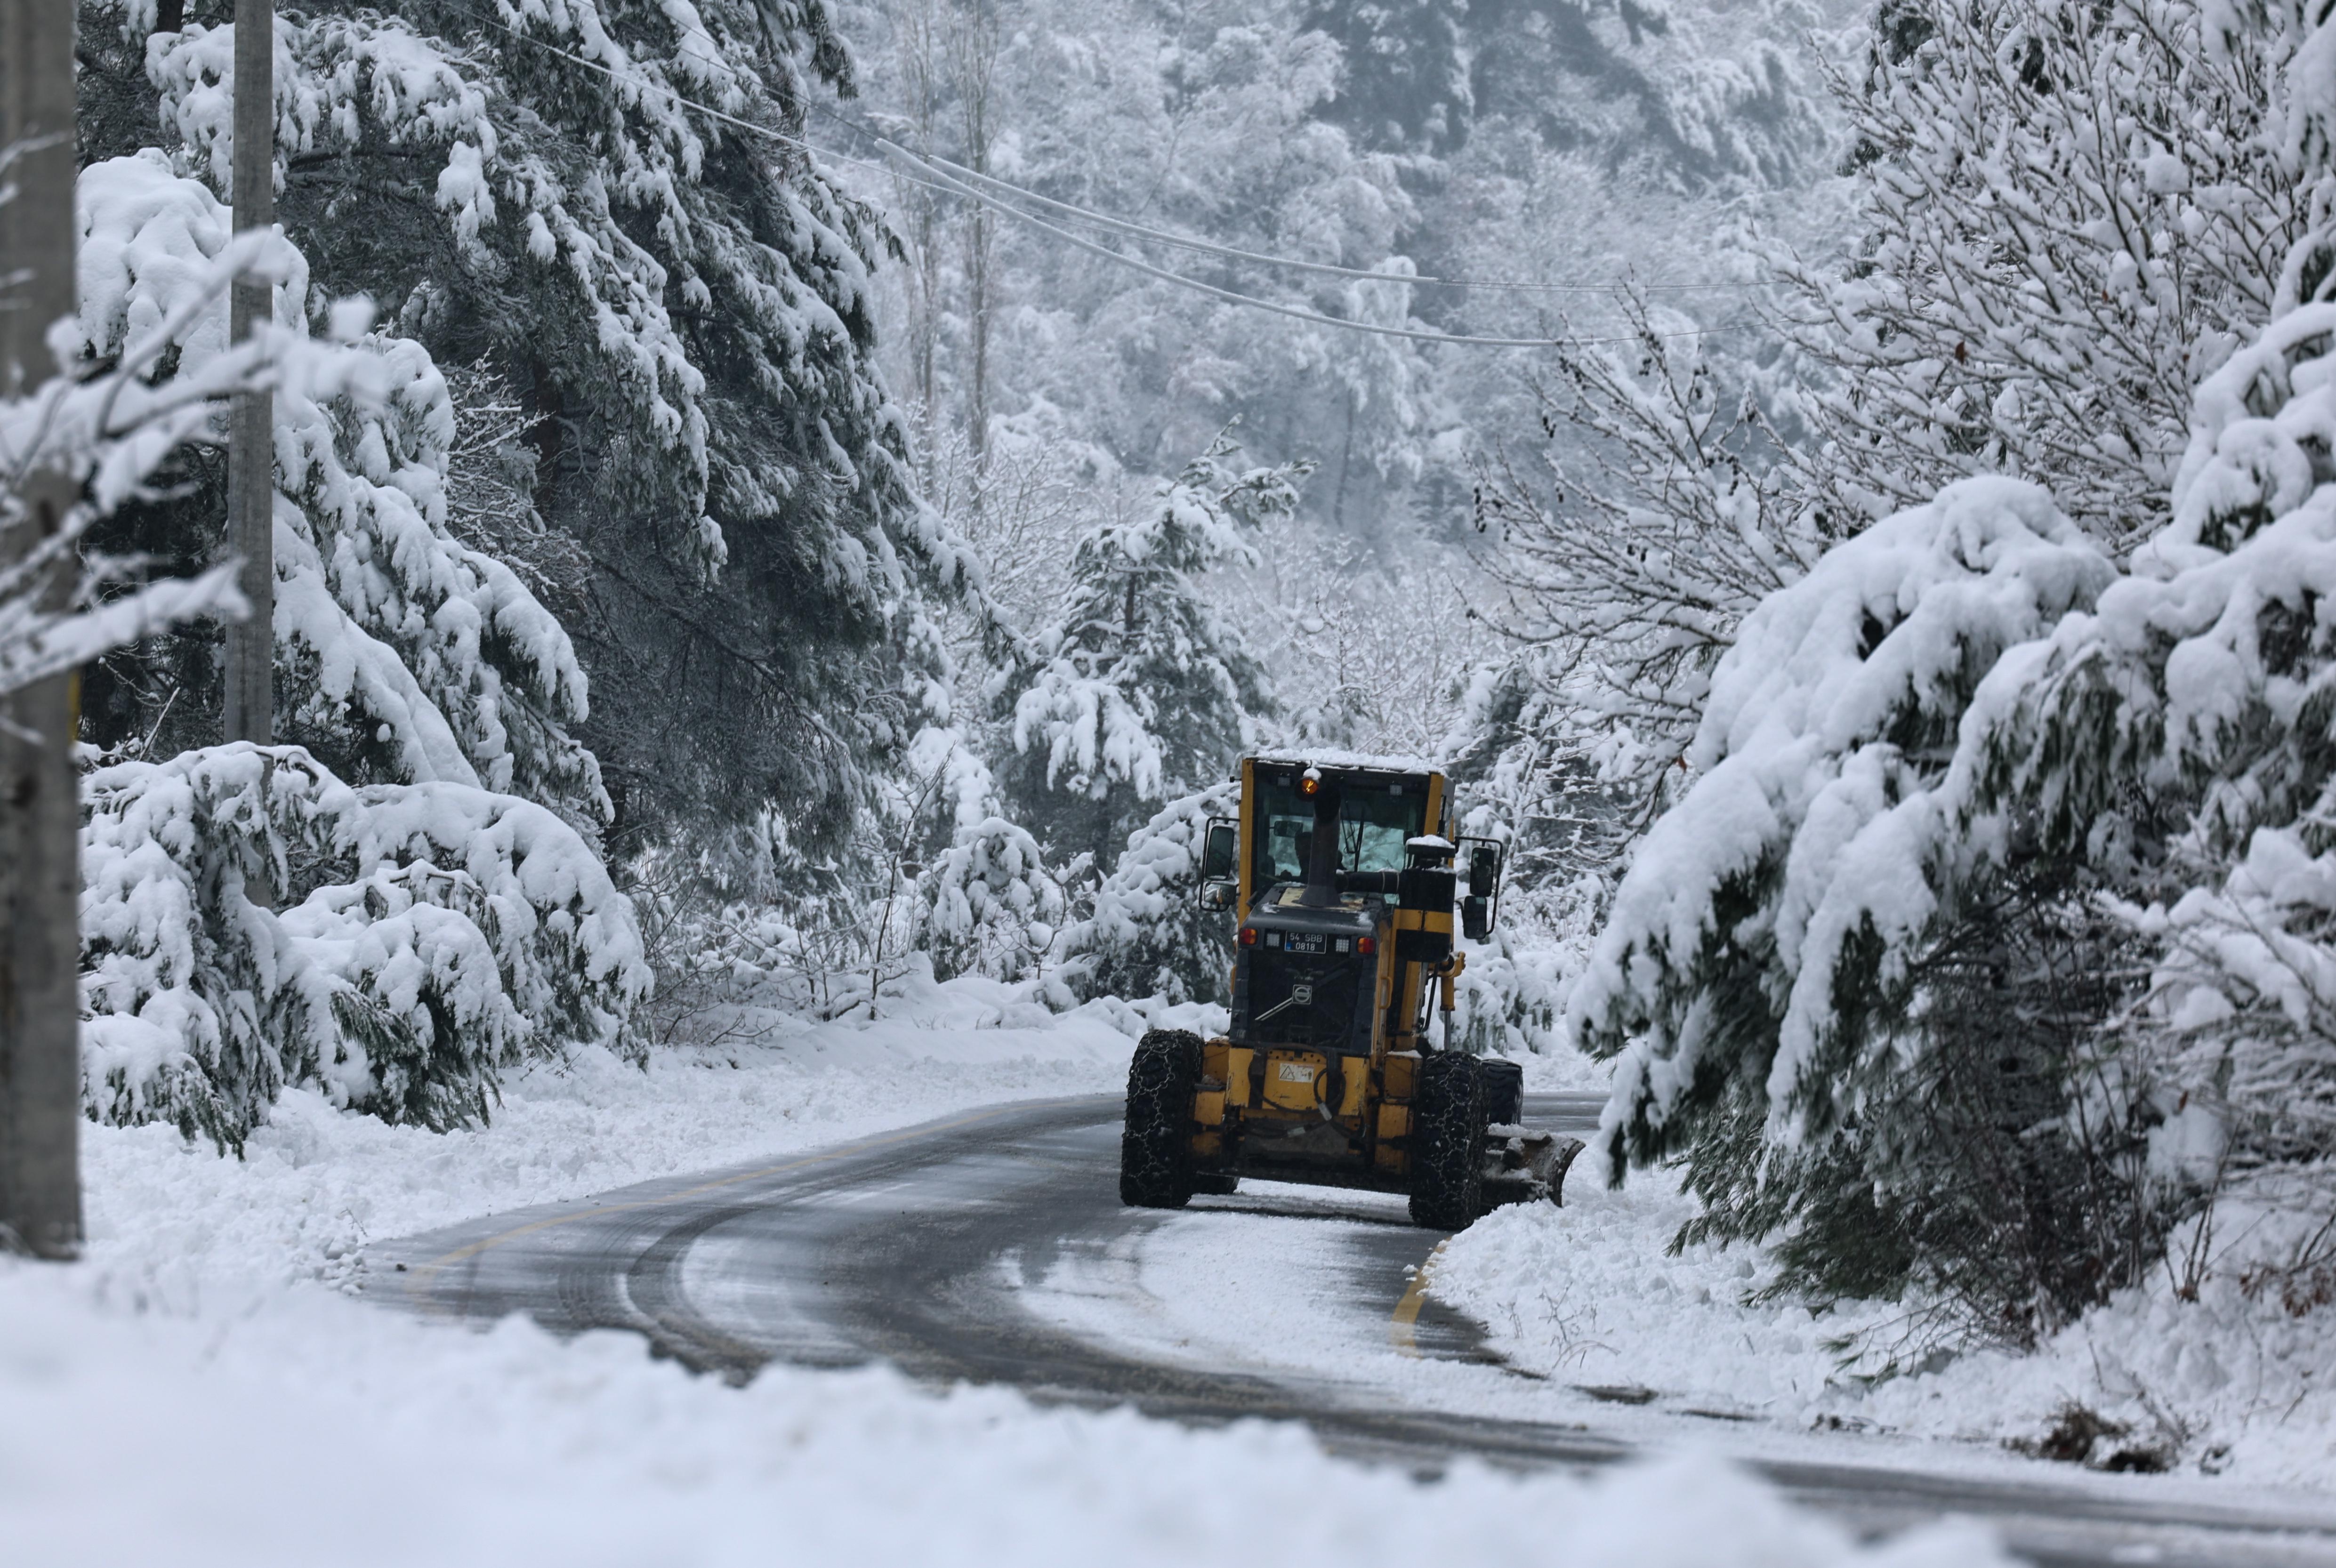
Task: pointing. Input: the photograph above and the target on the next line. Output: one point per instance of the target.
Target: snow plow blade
(1521, 1166)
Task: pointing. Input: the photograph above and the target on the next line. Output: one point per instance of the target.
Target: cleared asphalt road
(910, 1248)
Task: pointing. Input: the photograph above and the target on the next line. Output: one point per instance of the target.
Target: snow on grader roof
(1331, 758)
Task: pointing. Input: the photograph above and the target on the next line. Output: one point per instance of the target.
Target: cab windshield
(1375, 819)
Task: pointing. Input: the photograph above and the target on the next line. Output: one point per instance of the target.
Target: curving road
(991, 1247)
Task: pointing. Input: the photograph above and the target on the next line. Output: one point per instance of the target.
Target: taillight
(1367, 944)
(1248, 936)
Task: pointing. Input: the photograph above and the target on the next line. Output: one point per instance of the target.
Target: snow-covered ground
(310, 1430)
(1590, 1297)
(201, 1388)
(315, 1185)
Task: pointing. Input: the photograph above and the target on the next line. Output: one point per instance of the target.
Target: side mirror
(1218, 850)
(1483, 870)
(1481, 909)
(1219, 895)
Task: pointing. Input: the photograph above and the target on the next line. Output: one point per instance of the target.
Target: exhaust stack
(1322, 851)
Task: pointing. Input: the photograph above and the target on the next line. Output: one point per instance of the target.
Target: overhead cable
(1295, 312)
(1289, 263)
(936, 179)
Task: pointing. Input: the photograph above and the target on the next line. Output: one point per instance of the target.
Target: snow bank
(1589, 1294)
(2237, 1383)
(194, 1390)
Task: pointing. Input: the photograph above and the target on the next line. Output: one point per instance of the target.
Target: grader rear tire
(1155, 1155)
(1447, 1143)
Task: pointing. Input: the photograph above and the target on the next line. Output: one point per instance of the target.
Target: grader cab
(1342, 877)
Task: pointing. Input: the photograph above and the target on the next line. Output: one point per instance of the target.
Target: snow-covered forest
(815, 574)
(781, 505)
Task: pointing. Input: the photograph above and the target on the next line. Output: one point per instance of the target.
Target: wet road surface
(921, 1248)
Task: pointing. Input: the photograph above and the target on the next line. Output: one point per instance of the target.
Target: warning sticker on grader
(1294, 1072)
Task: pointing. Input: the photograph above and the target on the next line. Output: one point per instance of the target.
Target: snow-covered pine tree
(1139, 687)
(107, 431)
(1403, 78)
(402, 654)
(2177, 741)
(1690, 95)
(990, 904)
(1775, 969)
(1145, 933)
(1992, 936)
(682, 305)
(249, 918)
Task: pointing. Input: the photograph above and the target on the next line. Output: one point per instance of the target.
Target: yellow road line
(1403, 1328)
(426, 1274)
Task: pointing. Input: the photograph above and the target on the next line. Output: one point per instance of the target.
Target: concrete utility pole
(251, 429)
(40, 808)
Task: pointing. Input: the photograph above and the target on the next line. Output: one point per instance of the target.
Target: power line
(936, 180)
(1295, 312)
(1209, 248)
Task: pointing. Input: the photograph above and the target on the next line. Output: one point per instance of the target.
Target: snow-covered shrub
(1541, 763)
(993, 908)
(1511, 998)
(1139, 687)
(250, 921)
(1145, 933)
(989, 902)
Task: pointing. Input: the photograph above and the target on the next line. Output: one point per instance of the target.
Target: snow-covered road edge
(1590, 1296)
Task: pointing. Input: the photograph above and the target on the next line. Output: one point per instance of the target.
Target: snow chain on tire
(1155, 1156)
(1447, 1143)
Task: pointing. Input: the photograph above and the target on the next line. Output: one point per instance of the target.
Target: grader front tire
(1447, 1143)
(1155, 1158)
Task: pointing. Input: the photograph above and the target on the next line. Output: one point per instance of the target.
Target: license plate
(1307, 943)
(1294, 1072)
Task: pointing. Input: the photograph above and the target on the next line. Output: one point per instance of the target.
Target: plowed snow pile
(2228, 1384)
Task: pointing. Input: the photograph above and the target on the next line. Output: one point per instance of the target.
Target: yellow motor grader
(1340, 876)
